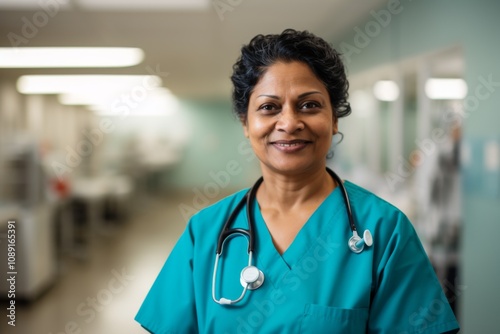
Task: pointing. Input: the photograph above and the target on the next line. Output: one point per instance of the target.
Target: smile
(290, 146)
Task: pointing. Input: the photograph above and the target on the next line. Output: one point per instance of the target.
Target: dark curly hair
(290, 45)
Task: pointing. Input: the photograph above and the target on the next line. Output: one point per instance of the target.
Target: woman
(289, 92)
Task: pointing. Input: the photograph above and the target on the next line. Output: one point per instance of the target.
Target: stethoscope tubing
(346, 198)
(249, 233)
(355, 243)
(249, 200)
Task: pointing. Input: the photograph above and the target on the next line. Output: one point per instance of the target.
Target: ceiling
(195, 47)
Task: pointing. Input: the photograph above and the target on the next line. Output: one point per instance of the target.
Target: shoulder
(363, 199)
(378, 215)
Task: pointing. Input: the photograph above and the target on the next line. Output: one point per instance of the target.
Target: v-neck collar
(319, 223)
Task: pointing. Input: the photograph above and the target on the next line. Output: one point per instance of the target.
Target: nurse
(290, 89)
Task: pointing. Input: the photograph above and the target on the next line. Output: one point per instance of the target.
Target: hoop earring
(331, 152)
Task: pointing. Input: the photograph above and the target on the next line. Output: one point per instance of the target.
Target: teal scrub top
(318, 285)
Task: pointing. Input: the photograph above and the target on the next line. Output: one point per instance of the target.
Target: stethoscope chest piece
(251, 277)
(356, 244)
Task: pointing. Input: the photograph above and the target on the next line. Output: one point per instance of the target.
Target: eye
(310, 105)
(268, 108)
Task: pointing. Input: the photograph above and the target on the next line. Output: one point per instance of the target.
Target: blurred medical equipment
(251, 277)
(24, 201)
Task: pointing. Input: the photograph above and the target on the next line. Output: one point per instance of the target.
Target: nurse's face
(290, 120)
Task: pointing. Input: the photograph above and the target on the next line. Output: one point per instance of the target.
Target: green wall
(424, 26)
(216, 140)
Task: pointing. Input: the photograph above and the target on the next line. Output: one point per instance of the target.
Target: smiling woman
(290, 120)
(303, 272)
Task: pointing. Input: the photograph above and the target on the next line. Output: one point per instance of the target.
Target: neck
(286, 191)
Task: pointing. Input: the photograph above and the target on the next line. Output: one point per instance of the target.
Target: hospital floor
(101, 295)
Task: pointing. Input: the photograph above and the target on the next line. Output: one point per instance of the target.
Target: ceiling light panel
(77, 84)
(445, 89)
(386, 90)
(33, 4)
(143, 5)
(69, 57)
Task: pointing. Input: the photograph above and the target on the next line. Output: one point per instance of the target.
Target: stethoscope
(251, 277)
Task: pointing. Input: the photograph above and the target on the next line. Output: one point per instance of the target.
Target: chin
(290, 168)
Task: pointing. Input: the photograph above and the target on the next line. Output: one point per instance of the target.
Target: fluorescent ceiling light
(108, 4)
(107, 99)
(34, 4)
(446, 89)
(386, 90)
(362, 103)
(88, 98)
(135, 5)
(85, 83)
(159, 101)
(57, 57)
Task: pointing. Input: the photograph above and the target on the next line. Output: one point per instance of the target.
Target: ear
(335, 127)
(244, 123)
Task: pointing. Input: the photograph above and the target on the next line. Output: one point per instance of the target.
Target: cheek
(324, 127)
(258, 128)
(324, 134)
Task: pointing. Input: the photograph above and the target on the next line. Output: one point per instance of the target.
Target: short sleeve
(169, 306)
(408, 297)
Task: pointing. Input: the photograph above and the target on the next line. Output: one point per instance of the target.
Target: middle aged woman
(289, 92)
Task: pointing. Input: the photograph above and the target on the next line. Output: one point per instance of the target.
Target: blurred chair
(98, 205)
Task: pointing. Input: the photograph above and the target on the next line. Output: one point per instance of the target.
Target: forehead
(289, 76)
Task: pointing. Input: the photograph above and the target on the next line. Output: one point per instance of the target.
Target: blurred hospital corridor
(101, 292)
(117, 125)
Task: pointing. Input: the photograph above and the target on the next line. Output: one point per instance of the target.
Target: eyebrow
(300, 96)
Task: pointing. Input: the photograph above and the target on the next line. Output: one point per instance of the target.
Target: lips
(290, 145)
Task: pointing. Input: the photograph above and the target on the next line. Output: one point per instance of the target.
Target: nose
(289, 120)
